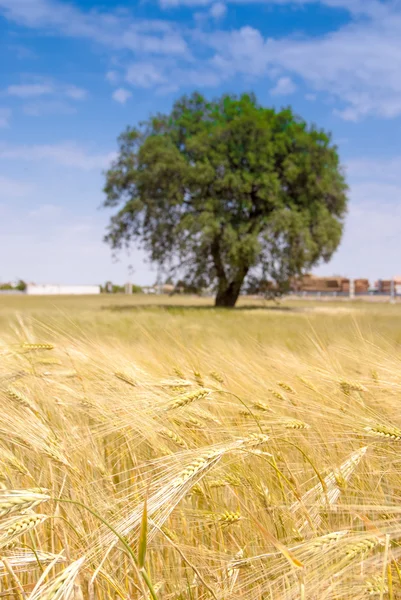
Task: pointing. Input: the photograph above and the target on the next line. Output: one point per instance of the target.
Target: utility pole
(392, 291)
(158, 281)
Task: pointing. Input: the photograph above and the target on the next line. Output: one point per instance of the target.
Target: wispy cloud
(22, 52)
(358, 65)
(372, 8)
(42, 108)
(377, 170)
(13, 188)
(29, 90)
(113, 29)
(284, 87)
(5, 115)
(145, 75)
(66, 154)
(121, 95)
(371, 242)
(45, 211)
(75, 92)
(36, 87)
(112, 77)
(218, 10)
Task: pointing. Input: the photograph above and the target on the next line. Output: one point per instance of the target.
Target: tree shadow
(196, 307)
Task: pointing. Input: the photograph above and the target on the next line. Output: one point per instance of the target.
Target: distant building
(397, 285)
(164, 288)
(311, 283)
(34, 289)
(340, 285)
(167, 288)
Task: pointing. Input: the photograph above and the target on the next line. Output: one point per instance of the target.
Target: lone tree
(222, 190)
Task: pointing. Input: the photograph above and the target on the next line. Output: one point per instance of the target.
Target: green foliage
(21, 285)
(221, 190)
(111, 288)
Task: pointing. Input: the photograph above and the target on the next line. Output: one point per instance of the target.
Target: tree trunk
(227, 292)
(227, 295)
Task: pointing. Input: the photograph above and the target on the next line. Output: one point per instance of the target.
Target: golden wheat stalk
(22, 561)
(61, 587)
(40, 346)
(295, 424)
(278, 395)
(19, 397)
(174, 437)
(185, 399)
(217, 377)
(13, 461)
(229, 518)
(198, 378)
(193, 422)
(285, 386)
(179, 373)
(228, 480)
(16, 526)
(163, 501)
(360, 548)
(48, 360)
(126, 378)
(305, 548)
(376, 585)
(20, 500)
(53, 451)
(351, 386)
(232, 572)
(317, 497)
(261, 406)
(391, 433)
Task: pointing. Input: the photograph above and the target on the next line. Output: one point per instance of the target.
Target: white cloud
(45, 211)
(13, 188)
(112, 77)
(29, 90)
(113, 29)
(76, 93)
(22, 52)
(43, 108)
(121, 95)
(60, 247)
(144, 75)
(5, 115)
(371, 244)
(66, 154)
(375, 169)
(373, 8)
(37, 87)
(358, 65)
(218, 10)
(283, 87)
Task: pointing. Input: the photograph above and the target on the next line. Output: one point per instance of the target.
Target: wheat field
(156, 448)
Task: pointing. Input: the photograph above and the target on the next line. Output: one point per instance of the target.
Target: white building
(55, 290)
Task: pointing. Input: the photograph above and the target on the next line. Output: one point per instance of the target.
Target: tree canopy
(222, 190)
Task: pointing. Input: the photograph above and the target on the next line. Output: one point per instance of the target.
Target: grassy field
(159, 448)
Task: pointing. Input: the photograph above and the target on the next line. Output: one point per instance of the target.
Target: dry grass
(187, 453)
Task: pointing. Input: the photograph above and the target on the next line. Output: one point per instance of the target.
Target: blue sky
(73, 75)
